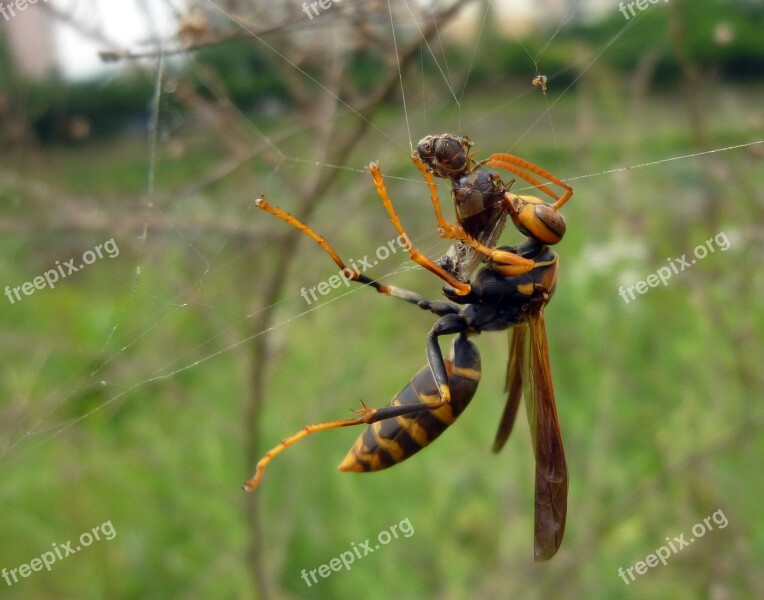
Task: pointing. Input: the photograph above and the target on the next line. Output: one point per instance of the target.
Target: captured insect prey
(487, 288)
(540, 81)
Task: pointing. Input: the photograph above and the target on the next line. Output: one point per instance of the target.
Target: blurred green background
(142, 389)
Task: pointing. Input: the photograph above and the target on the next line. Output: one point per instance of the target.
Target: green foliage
(109, 107)
(364, 69)
(106, 108)
(707, 25)
(246, 69)
(7, 73)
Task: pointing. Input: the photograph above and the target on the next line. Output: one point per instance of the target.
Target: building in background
(29, 36)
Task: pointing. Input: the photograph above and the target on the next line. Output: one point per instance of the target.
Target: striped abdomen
(386, 443)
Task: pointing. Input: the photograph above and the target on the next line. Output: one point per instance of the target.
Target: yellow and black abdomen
(386, 443)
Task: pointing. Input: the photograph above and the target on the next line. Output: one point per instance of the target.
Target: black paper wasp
(508, 293)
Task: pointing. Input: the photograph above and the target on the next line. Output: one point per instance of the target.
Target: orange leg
(515, 264)
(433, 189)
(461, 288)
(351, 274)
(294, 222)
(515, 165)
(368, 415)
(436, 307)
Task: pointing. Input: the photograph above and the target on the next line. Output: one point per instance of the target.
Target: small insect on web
(508, 293)
(540, 81)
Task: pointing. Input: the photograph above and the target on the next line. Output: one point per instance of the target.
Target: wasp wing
(551, 471)
(516, 362)
(488, 236)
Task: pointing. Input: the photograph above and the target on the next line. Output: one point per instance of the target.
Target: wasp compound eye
(424, 148)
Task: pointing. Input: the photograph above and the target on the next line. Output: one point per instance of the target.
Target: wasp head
(445, 155)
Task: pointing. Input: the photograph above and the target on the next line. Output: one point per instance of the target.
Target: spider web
(49, 425)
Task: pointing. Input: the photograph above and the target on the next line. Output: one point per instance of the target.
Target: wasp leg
(438, 307)
(542, 257)
(461, 288)
(514, 164)
(446, 325)
(433, 189)
(368, 416)
(515, 264)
